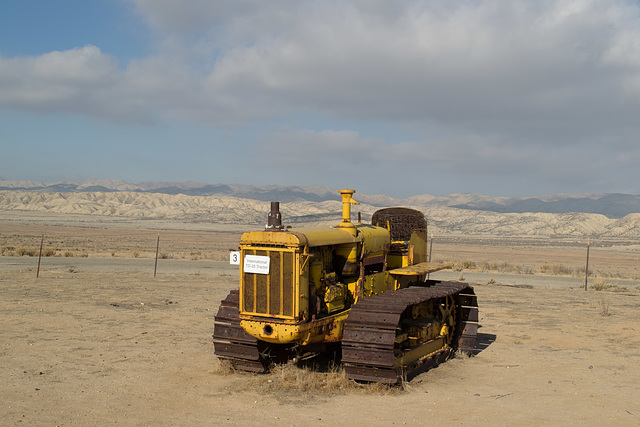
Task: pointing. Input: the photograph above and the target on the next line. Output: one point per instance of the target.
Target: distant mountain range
(611, 205)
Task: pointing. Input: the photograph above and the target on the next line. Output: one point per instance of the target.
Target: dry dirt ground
(97, 339)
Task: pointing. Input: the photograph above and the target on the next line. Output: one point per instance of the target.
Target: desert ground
(96, 339)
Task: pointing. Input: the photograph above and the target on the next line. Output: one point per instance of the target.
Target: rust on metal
(369, 348)
(231, 342)
(401, 221)
(274, 221)
(359, 291)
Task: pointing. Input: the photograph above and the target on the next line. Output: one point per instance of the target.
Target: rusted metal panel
(470, 313)
(232, 332)
(467, 300)
(370, 374)
(384, 307)
(470, 329)
(374, 319)
(369, 356)
(402, 221)
(371, 337)
(248, 366)
(230, 341)
(232, 298)
(234, 350)
(226, 313)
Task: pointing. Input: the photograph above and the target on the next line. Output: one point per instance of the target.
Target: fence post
(586, 269)
(155, 269)
(40, 257)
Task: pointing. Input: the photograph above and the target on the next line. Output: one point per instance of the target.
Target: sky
(497, 97)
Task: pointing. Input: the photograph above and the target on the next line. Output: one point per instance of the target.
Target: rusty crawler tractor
(361, 289)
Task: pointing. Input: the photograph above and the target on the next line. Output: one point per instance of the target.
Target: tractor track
(369, 350)
(231, 342)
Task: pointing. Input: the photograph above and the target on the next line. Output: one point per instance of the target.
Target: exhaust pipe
(274, 221)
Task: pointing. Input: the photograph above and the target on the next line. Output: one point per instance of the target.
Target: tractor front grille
(270, 294)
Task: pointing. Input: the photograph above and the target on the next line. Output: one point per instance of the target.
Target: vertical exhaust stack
(349, 251)
(274, 221)
(347, 201)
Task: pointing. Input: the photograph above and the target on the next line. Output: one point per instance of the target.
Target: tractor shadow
(483, 341)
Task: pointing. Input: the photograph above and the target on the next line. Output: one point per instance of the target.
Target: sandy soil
(97, 339)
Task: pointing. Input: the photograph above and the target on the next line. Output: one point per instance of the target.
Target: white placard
(234, 257)
(256, 264)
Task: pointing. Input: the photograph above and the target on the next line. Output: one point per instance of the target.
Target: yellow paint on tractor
(297, 285)
(328, 329)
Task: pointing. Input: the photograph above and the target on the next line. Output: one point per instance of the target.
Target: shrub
(26, 252)
(600, 284)
(49, 252)
(467, 265)
(556, 269)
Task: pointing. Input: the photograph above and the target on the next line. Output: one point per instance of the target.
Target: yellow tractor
(358, 290)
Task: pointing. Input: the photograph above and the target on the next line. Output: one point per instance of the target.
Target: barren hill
(610, 205)
(443, 220)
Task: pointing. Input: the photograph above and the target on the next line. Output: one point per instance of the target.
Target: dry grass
(549, 269)
(506, 267)
(557, 270)
(292, 378)
(600, 284)
(223, 367)
(35, 252)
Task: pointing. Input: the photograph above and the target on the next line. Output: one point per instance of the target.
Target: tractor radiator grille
(270, 294)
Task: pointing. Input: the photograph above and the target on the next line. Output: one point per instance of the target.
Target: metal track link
(369, 351)
(231, 342)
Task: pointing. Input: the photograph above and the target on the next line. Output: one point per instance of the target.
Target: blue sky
(409, 97)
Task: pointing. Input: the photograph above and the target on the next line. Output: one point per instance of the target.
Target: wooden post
(40, 257)
(586, 269)
(157, 248)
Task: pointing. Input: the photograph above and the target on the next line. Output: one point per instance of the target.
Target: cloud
(491, 87)
(305, 149)
(490, 66)
(483, 163)
(487, 66)
(47, 80)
